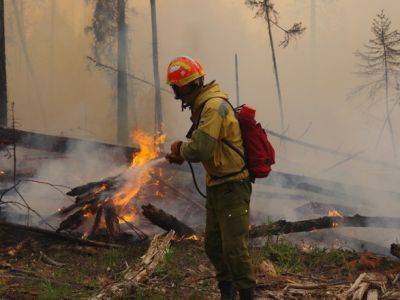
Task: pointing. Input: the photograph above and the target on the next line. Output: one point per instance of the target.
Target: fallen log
(166, 221)
(57, 236)
(285, 227)
(395, 250)
(139, 273)
(53, 143)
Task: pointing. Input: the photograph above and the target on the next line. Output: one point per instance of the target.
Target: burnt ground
(185, 273)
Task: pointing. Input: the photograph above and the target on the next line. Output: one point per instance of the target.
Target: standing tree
(109, 30)
(156, 73)
(381, 62)
(3, 73)
(265, 9)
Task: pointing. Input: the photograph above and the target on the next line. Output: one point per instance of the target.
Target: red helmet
(183, 70)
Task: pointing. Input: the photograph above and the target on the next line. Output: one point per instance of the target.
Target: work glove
(175, 156)
(176, 148)
(174, 159)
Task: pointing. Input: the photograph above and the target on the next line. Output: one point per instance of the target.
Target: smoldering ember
(199, 149)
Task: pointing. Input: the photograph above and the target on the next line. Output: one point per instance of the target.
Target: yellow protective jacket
(216, 122)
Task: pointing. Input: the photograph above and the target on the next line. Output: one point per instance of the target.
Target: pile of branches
(95, 199)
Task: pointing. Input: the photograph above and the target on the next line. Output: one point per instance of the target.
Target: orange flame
(334, 213)
(149, 150)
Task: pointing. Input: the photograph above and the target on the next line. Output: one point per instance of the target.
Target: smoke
(80, 164)
(317, 73)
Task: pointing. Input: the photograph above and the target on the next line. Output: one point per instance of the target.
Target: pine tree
(381, 62)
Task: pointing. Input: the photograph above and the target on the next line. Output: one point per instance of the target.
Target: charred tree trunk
(166, 221)
(122, 108)
(158, 105)
(3, 73)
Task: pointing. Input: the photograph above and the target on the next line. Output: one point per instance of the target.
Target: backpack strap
(196, 124)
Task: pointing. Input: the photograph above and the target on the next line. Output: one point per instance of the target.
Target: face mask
(182, 93)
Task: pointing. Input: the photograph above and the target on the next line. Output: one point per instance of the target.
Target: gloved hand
(175, 156)
(174, 159)
(176, 148)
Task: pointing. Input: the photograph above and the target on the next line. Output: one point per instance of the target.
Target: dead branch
(135, 275)
(285, 227)
(166, 221)
(50, 261)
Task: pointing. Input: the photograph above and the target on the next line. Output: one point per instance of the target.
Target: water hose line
(195, 181)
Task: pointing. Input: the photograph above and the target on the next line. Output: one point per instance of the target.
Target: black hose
(195, 181)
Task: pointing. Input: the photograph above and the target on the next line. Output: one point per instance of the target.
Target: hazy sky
(77, 99)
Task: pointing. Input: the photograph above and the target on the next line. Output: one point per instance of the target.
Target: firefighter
(215, 141)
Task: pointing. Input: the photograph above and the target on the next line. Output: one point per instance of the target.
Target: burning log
(110, 216)
(285, 227)
(166, 221)
(138, 274)
(91, 187)
(395, 250)
(74, 221)
(96, 223)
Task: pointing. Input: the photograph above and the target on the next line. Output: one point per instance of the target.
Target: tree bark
(156, 74)
(3, 73)
(122, 106)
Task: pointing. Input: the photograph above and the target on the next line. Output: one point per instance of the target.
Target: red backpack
(259, 153)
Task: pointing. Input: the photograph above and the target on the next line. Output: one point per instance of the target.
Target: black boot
(227, 290)
(246, 294)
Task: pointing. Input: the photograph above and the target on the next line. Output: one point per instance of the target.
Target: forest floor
(284, 271)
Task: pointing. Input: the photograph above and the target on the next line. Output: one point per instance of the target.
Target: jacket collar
(209, 91)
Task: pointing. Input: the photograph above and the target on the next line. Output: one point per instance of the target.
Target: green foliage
(320, 257)
(170, 268)
(284, 255)
(49, 291)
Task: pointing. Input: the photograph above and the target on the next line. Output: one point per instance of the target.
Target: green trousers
(227, 232)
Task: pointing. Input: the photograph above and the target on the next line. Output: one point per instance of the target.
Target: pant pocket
(236, 221)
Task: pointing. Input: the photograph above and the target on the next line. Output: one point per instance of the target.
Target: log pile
(95, 199)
